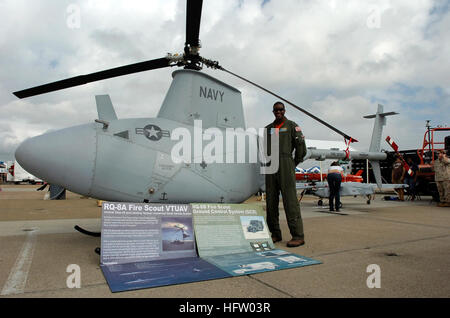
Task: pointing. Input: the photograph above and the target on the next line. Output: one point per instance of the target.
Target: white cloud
(336, 59)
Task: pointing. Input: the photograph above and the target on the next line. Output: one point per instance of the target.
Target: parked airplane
(354, 187)
(321, 190)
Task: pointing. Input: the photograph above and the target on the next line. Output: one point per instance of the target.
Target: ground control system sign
(148, 245)
(235, 238)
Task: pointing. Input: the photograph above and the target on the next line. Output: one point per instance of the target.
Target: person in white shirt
(334, 179)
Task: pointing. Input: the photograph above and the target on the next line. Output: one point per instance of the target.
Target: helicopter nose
(65, 157)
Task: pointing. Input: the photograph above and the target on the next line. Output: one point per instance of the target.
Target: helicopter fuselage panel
(132, 161)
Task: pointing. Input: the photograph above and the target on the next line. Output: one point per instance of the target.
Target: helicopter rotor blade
(93, 77)
(193, 17)
(347, 137)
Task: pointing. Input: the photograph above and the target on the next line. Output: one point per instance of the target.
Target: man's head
(278, 110)
(441, 154)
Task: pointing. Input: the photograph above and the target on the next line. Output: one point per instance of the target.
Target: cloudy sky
(336, 59)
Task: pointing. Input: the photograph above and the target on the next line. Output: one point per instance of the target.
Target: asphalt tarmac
(406, 243)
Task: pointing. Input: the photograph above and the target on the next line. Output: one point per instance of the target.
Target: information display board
(235, 238)
(230, 228)
(148, 245)
(133, 232)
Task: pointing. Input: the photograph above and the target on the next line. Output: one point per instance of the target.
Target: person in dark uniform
(411, 179)
(398, 175)
(291, 140)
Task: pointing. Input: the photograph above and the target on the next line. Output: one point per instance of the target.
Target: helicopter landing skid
(86, 232)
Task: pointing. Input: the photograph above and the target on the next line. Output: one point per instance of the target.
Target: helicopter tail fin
(198, 96)
(375, 143)
(105, 108)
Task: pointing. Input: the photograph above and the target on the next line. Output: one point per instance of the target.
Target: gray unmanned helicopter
(131, 160)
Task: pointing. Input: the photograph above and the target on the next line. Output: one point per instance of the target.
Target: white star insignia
(152, 132)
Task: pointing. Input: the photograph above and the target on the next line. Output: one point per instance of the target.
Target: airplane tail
(375, 144)
(376, 172)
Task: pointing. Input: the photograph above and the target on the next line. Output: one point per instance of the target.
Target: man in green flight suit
(290, 139)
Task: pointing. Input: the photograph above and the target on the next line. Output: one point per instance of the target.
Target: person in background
(334, 179)
(411, 180)
(442, 178)
(398, 175)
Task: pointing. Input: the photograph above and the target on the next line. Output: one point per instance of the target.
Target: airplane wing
(309, 185)
(393, 186)
(358, 188)
(347, 188)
